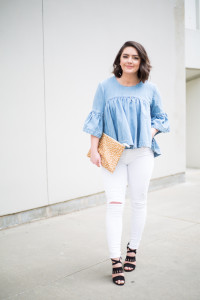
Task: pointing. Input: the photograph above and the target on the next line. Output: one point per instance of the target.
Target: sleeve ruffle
(94, 123)
(160, 121)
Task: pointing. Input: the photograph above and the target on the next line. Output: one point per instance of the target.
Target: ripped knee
(115, 202)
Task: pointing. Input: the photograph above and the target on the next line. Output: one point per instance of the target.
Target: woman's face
(130, 60)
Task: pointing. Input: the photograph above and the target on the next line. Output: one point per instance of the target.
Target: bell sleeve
(94, 121)
(159, 118)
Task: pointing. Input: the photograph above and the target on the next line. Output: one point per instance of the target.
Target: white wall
(191, 14)
(192, 48)
(192, 34)
(193, 123)
(23, 176)
(42, 115)
(192, 63)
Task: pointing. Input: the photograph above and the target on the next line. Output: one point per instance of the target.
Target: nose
(130, 60)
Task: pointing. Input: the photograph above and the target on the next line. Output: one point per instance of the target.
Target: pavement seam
(174, 234)
(180, 219)
(53, 281)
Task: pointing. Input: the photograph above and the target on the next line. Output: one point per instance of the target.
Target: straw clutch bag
(110, 151)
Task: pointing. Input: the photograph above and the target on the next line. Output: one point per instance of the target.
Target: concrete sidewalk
(66, 257)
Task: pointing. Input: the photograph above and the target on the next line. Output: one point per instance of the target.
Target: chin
(129, 72)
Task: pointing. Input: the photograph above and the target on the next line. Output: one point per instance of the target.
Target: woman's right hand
(95, 158)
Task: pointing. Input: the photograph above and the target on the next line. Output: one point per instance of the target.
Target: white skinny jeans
(135, 167)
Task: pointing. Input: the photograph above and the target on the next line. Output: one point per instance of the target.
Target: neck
(129, 79)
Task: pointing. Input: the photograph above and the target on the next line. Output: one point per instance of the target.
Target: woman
(128, 108)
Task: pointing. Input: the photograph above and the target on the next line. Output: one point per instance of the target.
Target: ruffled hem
(155, 148)
(94, 123)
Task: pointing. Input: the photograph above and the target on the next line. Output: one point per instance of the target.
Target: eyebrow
(132, 55)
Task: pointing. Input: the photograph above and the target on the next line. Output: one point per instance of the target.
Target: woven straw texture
(110, 151)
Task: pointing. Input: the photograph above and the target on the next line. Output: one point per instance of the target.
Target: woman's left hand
(153, 131)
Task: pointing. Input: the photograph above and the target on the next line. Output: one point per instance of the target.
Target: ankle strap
(114, 261)
(131, 250)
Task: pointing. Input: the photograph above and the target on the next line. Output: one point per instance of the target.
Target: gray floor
(66, 257)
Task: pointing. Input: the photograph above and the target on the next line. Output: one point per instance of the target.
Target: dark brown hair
(145, 66)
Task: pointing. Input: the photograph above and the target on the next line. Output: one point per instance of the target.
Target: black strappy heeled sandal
(117, 270)
(131, 259)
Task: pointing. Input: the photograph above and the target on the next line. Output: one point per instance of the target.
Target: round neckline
(126, 86)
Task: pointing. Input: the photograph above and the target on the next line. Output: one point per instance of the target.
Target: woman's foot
(117, 273)
(130, 265)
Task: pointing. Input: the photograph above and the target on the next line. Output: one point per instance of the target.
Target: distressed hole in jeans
(113, 202)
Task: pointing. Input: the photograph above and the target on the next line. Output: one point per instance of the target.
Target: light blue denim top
(127, 113)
